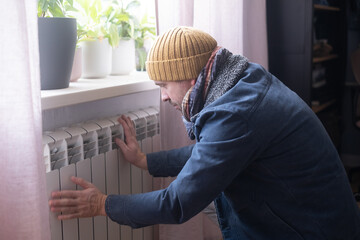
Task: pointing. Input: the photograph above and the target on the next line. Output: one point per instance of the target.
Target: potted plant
(144, 35)
(77, 64)
(123, 53)
(76, 72)
(57, 41)
(98, 35)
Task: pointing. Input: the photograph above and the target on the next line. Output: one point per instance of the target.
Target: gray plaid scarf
(220, 74)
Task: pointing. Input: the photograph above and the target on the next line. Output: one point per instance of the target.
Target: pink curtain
(23, 202)
(238, 25)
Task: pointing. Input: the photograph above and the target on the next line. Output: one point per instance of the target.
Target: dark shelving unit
(307, 52)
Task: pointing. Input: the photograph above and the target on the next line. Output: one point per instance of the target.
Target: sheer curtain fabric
(23, 202)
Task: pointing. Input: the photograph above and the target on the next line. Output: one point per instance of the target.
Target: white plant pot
(123, 57)
(96, 58)
(76, 69)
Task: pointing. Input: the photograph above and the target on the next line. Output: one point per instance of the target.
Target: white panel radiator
(88, 150)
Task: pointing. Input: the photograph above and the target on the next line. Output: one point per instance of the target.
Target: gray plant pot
(57, 43)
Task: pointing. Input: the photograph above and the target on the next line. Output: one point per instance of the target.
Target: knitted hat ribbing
(179, 54)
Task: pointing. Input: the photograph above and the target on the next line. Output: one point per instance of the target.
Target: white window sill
(86, 90)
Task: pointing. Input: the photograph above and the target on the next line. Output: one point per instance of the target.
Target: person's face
(174, 91)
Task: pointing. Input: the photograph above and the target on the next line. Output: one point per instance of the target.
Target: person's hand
(89, 202)
(130, 149)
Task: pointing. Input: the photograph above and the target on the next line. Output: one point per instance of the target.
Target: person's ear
(193, 81)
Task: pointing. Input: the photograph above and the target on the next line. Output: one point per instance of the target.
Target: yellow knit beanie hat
(179, 54)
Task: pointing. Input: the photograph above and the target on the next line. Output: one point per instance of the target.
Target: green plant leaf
(84, 6)
(133, 4)
(39, 11)
(112, 17)
(113, 35)
(93, 13)
(56, 11)
(53, 8)
(108, 11)
(112, 20)
(142, 58)
(42, 7)
(121, 17)
(51, 3)
(91, 34)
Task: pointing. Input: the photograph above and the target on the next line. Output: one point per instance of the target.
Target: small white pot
(77, 66)
(96, 58)
(123, 57)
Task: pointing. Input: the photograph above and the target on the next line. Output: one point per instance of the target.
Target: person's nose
(164, 96)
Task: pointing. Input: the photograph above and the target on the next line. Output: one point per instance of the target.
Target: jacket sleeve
(168, 163)
(224, 148)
